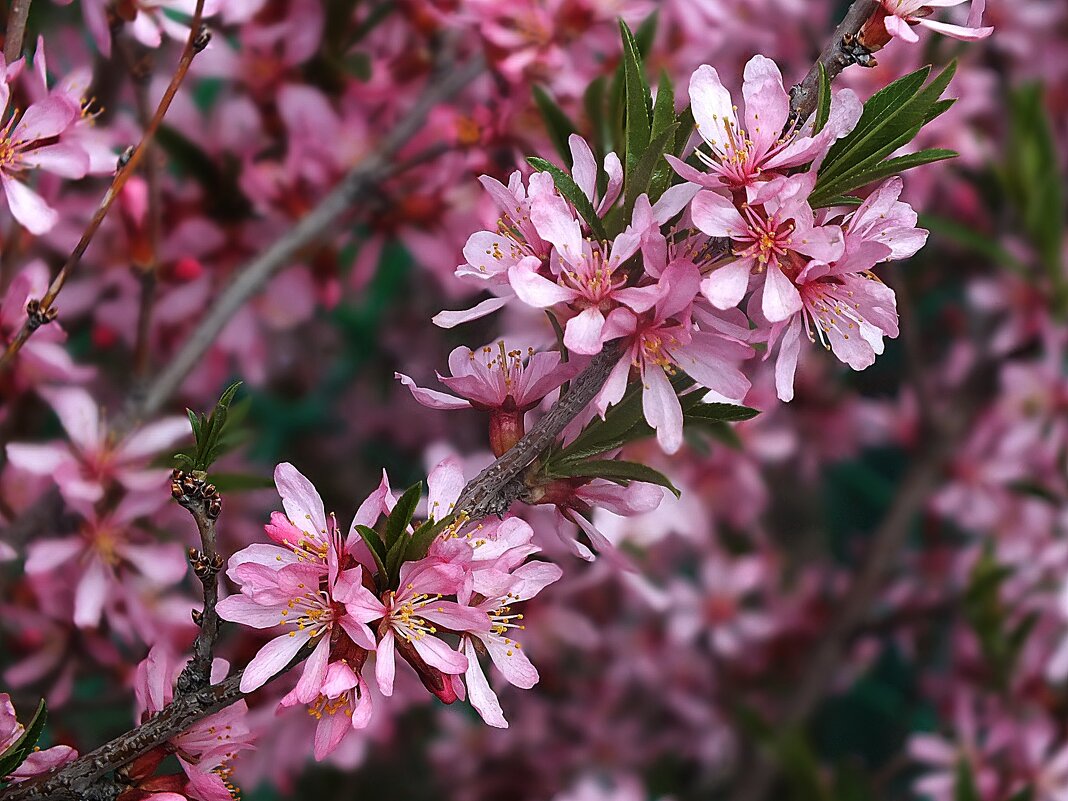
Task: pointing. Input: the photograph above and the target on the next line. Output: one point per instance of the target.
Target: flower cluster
(324, 588)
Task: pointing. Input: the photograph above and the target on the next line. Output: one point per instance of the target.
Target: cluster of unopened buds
(192, 490)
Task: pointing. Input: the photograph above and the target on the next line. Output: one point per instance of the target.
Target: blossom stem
(127, 165)
(495, 489)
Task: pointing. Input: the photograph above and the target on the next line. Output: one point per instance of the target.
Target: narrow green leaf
(402, 513)
(593, 101)
(570, 190)
(638, 103)
(720, 413)
(884, 169)
(823, 100)
(638, 180)
(877, 111)
(557, 123)
(421, 540)
(964, 788)
(615, 470)
(376, 547)
(23, 747)
(664, 106)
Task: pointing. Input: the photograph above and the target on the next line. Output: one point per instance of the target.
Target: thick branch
(73, 780)
(359, 182)
(843, 50)
(43, 311)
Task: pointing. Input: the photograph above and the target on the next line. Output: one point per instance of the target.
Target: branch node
(38, 316)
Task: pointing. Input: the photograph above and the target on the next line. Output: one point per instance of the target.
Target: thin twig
(360, 181)
(43, 310)
(16, 29)
(145, 269)
(204, 504)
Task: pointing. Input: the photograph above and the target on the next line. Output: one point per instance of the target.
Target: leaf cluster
(892, 118)
(214, 434)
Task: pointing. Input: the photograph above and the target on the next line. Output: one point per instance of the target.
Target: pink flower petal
(272, 658)
(483, 699)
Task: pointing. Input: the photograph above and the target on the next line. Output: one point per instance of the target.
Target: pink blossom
(342, 705)
(86, 466)
(742, 153)
(902, 15)
(503, 586)
(774, 236)
(39, 761)
(282, 588)
(207, 747)
(411, 614)
(103, 553)
(25, 143)
(495, 379)
(664, 344)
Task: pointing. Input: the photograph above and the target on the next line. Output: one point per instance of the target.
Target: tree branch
(360, 181)
(843, 50)
(495, 489)
(204, 504)
(16, 29)
(41, 312)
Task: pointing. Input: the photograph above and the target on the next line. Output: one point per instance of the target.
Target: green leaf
(638, 180)
(664, 107)
(375, 546)
(616, 470)
(557, 123)
(965, 789)
(593, 101)
(23, 747)
(402, 513)
(638, 103)
(421, 540)
(719, 413)
(570, 190)
(878, 111)
(831, 195)
(823, 100)
(397, 538)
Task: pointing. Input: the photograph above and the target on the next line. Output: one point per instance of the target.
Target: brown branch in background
(844, 49)
(145, 265)
(41, 312)
(203, 502)
(358, 183)
(15, 34)
(854, 609)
